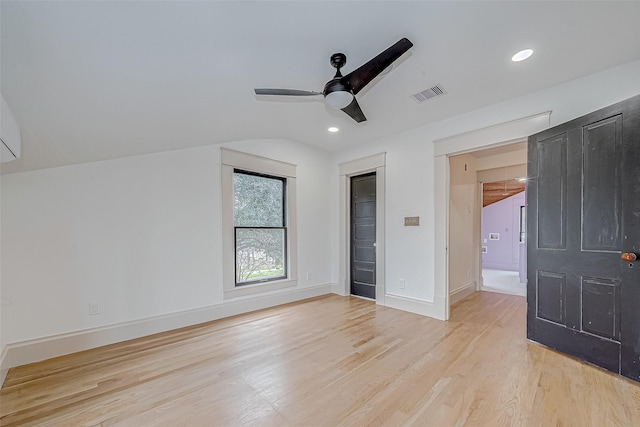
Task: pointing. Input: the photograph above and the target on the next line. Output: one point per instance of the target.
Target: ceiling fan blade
(286, 92)
(354, 111)
(360, 77)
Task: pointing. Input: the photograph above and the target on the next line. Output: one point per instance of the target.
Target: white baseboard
(338, 289)
(435, 309)
(30, 351)
(501, 266)
(518, 292)
(462, 293)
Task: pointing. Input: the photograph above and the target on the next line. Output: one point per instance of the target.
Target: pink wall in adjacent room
(502, 217)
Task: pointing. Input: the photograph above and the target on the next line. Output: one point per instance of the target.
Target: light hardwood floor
(327, 361)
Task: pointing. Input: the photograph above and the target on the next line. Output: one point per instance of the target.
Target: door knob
(628, 256)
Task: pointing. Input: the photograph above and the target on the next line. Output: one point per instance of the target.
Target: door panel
(601, 190)
(584, 210)
(363, 235)
(551, 296)
(601, 307)
(552, 185)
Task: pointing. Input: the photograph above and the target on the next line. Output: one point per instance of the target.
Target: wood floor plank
(327, 361)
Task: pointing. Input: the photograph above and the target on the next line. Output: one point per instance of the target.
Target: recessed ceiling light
(522, 55)
(333, 129)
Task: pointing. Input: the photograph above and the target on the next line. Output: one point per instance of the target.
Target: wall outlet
(401, 283)
(308, 275)
(94, 308)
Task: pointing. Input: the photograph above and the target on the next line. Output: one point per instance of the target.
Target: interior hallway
(505, 282)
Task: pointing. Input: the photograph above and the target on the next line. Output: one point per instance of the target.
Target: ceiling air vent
(434, 91)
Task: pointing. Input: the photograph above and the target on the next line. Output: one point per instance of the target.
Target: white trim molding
(441, 232)
(231, 160)
(3, 369)
(363, 165)
(255, 163)
(375, 163)
(488, 137)
(36, 350)
(433, 309)
(462, 293)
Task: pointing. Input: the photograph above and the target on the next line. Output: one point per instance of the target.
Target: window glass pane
(259, 254)
(258, 201)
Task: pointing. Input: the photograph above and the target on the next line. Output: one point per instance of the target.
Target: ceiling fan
(340, 91)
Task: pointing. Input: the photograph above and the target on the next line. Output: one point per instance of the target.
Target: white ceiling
(97, 80)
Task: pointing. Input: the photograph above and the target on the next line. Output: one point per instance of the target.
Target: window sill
(258, 288)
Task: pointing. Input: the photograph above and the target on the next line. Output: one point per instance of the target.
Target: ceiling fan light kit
(339, 99)
(339, 92)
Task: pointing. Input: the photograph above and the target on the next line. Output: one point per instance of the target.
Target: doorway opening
(363, 236)
(485, 248)
(503, 235)
(375, 166)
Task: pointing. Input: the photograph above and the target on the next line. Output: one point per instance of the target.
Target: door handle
(628, 256)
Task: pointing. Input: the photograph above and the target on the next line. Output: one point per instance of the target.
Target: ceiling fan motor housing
(335, 85)
(337, 94)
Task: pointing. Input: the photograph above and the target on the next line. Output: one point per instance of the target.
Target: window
(259, 247)
(259, 218)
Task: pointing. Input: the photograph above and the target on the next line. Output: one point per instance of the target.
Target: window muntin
(260, 228)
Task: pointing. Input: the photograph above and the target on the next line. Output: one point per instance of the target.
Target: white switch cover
(411, 221)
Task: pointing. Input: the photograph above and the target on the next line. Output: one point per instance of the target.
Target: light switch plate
(411, 221)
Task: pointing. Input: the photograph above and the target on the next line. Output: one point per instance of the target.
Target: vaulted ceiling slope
(98, 80)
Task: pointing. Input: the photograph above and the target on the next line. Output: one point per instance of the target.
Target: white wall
(463, 226)
(500, 161)
(140, 236)
(407, 170)
(417, 183)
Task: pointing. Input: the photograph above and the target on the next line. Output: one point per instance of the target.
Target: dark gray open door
(584, 214)
(363, 235)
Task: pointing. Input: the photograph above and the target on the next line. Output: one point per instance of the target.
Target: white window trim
(232, 160)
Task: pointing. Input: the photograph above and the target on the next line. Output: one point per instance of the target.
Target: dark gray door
(584, 215)
(363, 235)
